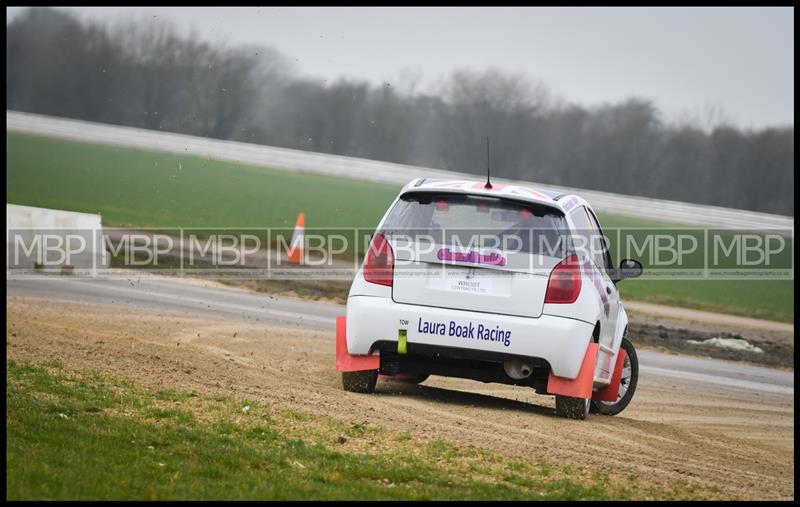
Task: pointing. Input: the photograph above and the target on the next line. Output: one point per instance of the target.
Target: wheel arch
(622, 327)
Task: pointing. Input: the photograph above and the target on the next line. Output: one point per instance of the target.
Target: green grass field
(135, 188)
(83, 435)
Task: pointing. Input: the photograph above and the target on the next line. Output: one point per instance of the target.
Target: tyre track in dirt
(729, 444)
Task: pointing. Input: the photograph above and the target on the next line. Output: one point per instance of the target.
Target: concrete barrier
(53, 240)
(373, 170)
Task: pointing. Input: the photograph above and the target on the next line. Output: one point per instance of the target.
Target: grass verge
(148, 189)
(83, 435)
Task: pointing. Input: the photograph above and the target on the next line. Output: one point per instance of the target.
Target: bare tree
(144, 74)
(490, 103)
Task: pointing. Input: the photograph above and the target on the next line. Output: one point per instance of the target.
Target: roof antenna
(488, 173)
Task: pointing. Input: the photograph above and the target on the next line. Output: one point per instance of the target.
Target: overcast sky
(686, 59)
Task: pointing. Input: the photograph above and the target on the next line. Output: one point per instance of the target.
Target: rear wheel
(627, 384)
(360, 381)
(572, 408)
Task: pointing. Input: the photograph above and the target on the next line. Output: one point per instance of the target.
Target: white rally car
(497, 283)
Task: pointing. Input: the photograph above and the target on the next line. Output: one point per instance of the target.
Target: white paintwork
(373, 170)
(561, 341)
(508, 293)
(558, 333)
(516, 288)
(598, 286)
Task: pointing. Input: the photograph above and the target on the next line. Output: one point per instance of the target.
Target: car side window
(591, 236)
(603, 256)
(583, 229)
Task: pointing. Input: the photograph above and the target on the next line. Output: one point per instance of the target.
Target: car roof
(512, 191)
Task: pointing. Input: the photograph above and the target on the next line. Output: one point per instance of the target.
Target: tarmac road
(208, 298)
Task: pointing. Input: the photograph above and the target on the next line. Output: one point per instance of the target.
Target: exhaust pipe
(517, 369)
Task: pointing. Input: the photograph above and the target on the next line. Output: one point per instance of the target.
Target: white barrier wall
(52, 239)
(373, 170)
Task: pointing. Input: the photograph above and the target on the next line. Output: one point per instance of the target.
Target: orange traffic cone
(296, 249)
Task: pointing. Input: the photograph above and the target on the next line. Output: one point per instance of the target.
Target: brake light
(379, 266)
(564, 284)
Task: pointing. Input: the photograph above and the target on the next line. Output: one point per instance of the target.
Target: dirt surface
(727, 446)
(676, 335)
(663, 328)
(716, 319)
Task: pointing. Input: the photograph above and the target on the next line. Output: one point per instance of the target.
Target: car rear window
(472, 220)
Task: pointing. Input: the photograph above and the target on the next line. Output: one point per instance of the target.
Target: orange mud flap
(580, 386)
(346, 362)
(610, 392)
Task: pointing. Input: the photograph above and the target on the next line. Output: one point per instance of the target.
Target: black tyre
(360, 381)
(627, 385)
(572, 408)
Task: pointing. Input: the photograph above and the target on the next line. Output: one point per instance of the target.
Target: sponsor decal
(495, 186)
(569, 203)
(451, 184)
(468, 331)
(494, 259)
(471, 286)
(529, 192)
(598, 285)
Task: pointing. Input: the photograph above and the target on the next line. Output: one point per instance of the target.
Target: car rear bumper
(560, 341)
